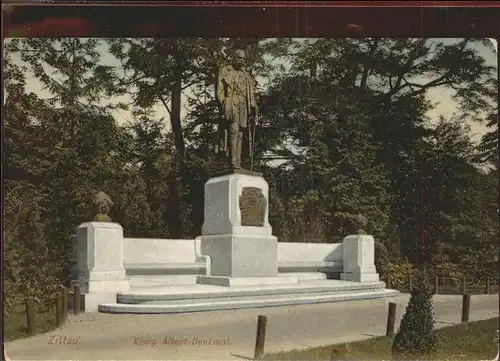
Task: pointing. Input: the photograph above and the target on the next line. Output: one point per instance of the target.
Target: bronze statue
(357, 224)
(103, 204)
(237, 99)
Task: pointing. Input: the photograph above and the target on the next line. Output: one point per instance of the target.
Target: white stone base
(246, 281)
(91, 301)
(241, 255)
(92, 286)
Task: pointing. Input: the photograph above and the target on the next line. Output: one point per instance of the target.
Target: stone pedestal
(99, 270)
(359, 259)
(222, 204)
(236, 233)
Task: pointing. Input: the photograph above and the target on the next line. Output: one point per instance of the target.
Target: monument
(236, 262)
(236, 233)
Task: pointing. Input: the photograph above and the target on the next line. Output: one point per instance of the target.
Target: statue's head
(103, 202)
(239, 58)
(104, 208)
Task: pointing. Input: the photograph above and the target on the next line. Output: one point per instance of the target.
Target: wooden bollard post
(65, 305)
(464, 285)
(391, 319)
(30, 316)
(389, 281)
(59, 307)
(338, 354)
(436, 285)
(77, 304)
(260, 340)
(465, 308)
(487, 290)
(333, 354)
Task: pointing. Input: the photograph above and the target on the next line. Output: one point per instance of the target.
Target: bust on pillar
(99, 256)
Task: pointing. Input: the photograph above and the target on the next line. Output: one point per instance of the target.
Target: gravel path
(228, 335)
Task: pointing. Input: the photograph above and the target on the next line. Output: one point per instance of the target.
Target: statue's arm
(253, 97)
(221, 93)
(253, 88)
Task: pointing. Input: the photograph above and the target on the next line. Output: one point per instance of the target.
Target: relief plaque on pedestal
(252, 207)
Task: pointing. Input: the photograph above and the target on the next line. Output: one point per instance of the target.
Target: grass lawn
(15, 324)
(475, 341)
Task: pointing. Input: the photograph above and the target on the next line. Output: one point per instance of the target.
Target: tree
(489, 142)
(75, 142)
(401, 132)
(416, 336)
(152, 155)
(398, 73)
(448, 174)
(32, 266)
(337, 175)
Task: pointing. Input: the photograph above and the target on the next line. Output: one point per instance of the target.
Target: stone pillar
(236, 233)
(222, 204)
(358, 258)
(99, 270)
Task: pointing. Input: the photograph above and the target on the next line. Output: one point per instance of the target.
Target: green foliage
(416, 335)
(400, 274)
(27, 251)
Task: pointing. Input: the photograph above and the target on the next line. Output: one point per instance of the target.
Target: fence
(65, 302)
(453, 286)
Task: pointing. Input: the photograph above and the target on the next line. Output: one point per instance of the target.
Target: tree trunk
(175, 117)
(177, 181)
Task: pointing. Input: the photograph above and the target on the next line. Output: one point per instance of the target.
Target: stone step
(254, 301)
(199, 291)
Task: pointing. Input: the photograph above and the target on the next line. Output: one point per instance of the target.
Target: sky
(444, 105)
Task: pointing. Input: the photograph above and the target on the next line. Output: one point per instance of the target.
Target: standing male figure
(236, 96)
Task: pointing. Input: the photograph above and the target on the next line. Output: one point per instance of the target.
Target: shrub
(449, 273)
(400, 274)
(416, 335)
(447, 270)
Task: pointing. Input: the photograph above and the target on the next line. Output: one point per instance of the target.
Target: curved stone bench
(162, 274)
(157, 262)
